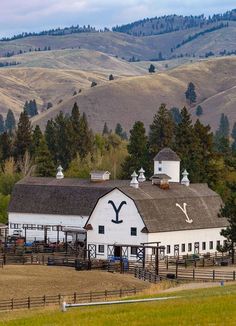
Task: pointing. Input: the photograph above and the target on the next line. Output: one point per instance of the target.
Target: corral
(22, 281)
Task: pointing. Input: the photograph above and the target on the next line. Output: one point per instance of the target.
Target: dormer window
(159, 169)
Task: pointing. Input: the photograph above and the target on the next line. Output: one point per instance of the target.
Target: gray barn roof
(156, 206)
(166, 154)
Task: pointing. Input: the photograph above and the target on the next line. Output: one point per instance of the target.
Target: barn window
(133, 231)
(211, 245)
(204, 246)
(189, 247)
(159, 169)
(134, 251)
(101, 249)
(101, 229)
(183, 247)
(168, 249)
(218, 243)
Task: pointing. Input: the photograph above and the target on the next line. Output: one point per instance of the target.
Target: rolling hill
(137, 98)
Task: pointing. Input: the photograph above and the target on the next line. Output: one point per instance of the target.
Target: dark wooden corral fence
(76, 297)
(145, 275)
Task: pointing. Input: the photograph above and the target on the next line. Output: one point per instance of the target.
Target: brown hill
(55, 75)
(137, 98)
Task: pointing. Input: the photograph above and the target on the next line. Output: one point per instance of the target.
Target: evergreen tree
(190, 93)
(37, 137)
(221, 139)
(5, 147)
(75, 121)
(2, 127)
(63, 140)
(31, 108)
(119, 130)
(187, 145)
(105, 130)
(44, 162)
(86, 137)
(229, 211)
(50, 137)
(176, 116)
(10, 123)
(111, 77)
(23, 138)
(199, 110)
(138, 152)
(161, 130)
(152, 69)
(233, 134)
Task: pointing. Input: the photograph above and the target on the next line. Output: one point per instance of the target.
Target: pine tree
(105, 130)
(23, 138)
(229, 211)
(233, 134)
(44, 162)
(138, 152)
(86, 137)
(119, 130)
(190, 93)
(187, 145)
(75, 122)
(176, 116)
(2, 127)
(199, 110)
(50, 137)
(37, 137)
(161, 130)
(10, 123)
(5, 146)
(221, 138)
(152, 69)
(111, 77)
(63, 140)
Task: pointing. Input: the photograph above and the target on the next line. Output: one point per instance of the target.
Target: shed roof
(157, 207)
(166, 154)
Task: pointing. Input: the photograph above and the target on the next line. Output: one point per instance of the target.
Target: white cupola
(134, 182)
(141, 177)
(185, 180)
(60, 174)
(167, 162)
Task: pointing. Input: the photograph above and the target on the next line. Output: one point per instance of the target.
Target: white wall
(171, 168)
(115, 233)
(186, 237)
(44, 219)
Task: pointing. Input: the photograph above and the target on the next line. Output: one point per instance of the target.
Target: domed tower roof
(166, 154)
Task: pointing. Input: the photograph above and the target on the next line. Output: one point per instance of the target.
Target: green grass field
(214, 306)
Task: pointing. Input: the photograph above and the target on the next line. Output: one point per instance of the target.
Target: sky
(36, 15)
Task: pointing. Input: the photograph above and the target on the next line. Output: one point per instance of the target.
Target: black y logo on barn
(117, 210)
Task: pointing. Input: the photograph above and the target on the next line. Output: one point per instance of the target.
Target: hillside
(131, 47)
(137, 98)
(52, 76)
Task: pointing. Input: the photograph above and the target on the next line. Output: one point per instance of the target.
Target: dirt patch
(24, 281)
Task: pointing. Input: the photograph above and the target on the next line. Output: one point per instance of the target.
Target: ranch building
(113, 217)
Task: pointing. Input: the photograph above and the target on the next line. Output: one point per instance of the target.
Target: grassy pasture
(214, 306)
(23, 281)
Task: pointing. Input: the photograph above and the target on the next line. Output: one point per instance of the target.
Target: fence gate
(92, 248)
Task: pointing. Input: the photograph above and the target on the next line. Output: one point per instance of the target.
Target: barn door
(110, 251)
(196, 247)
(176, 251)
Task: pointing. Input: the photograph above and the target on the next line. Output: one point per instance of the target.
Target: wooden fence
(47, 300)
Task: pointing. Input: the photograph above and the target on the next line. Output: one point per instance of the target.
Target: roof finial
(185, 180)
(134, 181)
(60, 174)
(141, 177)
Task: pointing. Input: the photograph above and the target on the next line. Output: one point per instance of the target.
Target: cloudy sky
(36, 15)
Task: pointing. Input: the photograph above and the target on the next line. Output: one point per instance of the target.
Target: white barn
(182, 218)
